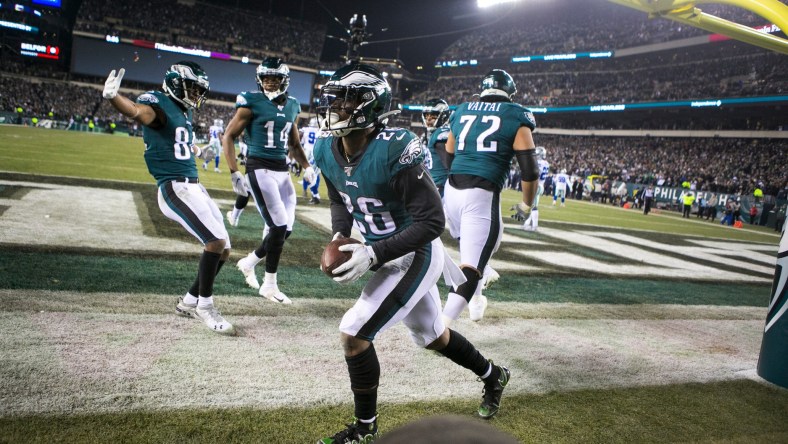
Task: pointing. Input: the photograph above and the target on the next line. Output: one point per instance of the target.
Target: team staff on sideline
(377, 182)
(166, 118)
(484, 137)
(269, 118)
(648, 199)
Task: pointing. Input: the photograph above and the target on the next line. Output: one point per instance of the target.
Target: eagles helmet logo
(412, 152)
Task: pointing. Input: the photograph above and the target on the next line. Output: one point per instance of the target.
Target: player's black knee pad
(467, 289)
(275, 240)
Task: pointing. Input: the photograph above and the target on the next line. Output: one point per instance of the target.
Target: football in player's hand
(333, 258)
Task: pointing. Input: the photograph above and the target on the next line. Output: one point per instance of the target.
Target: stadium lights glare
(488, 3)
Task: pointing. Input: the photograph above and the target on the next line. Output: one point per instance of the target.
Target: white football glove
(337, 235)
(522, 211)
(363, 258)
(309, 175)
(239, 184)
(197, 151)
(112, 85)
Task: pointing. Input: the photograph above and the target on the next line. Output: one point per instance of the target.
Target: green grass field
(618, 327)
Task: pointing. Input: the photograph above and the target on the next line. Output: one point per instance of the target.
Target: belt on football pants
(187, 179)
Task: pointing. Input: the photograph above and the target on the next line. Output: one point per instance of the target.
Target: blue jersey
(215, 132)
(484, 134)
(378, 211)
(168, 152)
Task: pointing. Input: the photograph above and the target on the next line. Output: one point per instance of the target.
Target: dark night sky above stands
(399, 19)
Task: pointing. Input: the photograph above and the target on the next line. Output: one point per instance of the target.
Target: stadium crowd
(726, 69)
(536, 35)
(710, 164)
(242, 32)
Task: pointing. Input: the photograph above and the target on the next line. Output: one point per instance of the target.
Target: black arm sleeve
(445, 157)
(425, 207)
(341, 219)
(529, 167)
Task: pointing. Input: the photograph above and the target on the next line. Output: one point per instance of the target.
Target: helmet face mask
(355, 97)
(541, 152)
(498, 83)
(438, 108)
(270, 68)
(187, 84)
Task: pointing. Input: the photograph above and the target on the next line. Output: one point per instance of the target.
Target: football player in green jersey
(435, 117)
(166, 118)
(269, 118)
(378, 184)
(484, 137)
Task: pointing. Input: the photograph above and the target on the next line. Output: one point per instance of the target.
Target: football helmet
(273, 67)
(438, 107)
(186, 83)
(218, 122)
(362, 92)
(498, 83)
(563, 170)
(541, 153)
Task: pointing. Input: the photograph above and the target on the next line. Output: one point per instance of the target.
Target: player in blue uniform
(377, 183)
(485, 136)
(532, 223)
(308, 139)
(215, 133)
(269, 118)
(167, 132)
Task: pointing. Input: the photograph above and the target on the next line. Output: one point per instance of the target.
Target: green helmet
(363, 93)
(498, 83)
(439, 107)
(273, 67)
(187, 84)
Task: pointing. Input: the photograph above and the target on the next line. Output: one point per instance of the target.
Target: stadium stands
(205, 26)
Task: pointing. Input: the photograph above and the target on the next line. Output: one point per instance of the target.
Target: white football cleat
(476, 307)
(214, 320)
(217, 170)
(489, 277)
(184, 309)
(246, 265)
(233, 221)
(273, 294)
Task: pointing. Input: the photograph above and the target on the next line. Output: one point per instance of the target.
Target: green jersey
(365, 185)
(484, 133)
(168, 152)
(433, 160)
(269, 130)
